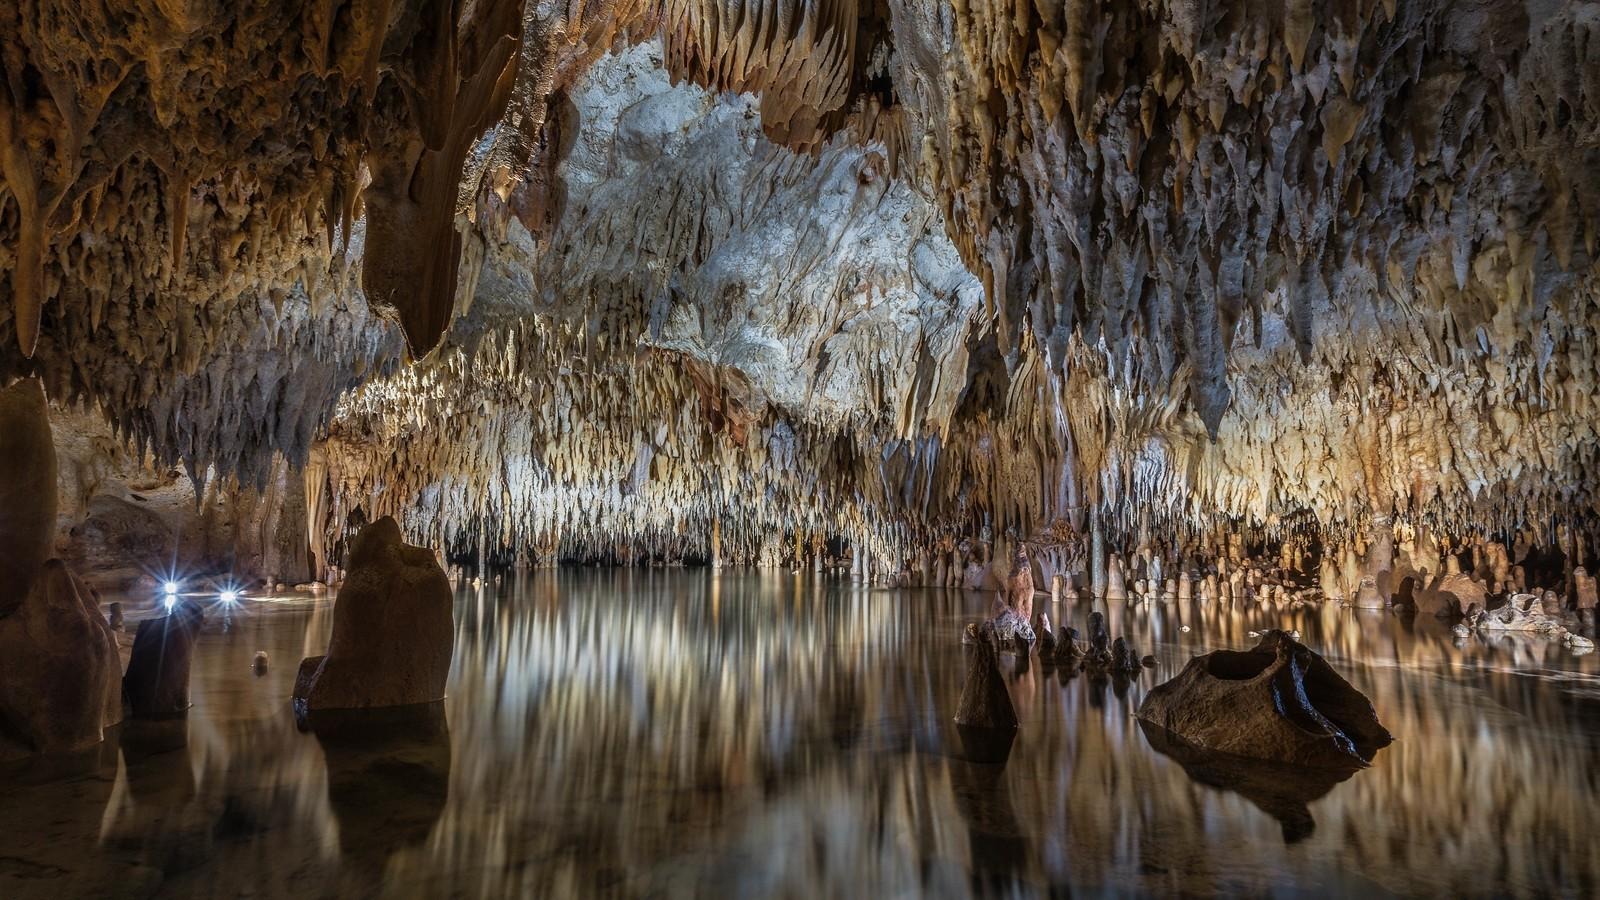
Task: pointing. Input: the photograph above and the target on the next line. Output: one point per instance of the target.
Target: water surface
(671, 733)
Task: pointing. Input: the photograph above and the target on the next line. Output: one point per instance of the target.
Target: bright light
(171, 600)
(169, 589)
(230, 597)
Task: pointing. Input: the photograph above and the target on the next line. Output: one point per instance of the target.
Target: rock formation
(986, 721)
(157, 681)
(1277, 701)
(60, 674)
(393, 629)
(28, 490)
(903, 271)
(1522, 612)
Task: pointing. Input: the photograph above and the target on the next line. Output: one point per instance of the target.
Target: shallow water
(671, 733)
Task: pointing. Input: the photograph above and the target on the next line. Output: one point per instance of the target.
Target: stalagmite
(392, 634)
(1115, 588)
(28, 491)
(60, 675)
(157, 681)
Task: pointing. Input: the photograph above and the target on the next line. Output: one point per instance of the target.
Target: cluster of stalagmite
(1045, 270)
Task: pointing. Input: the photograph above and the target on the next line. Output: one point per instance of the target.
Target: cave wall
(125, 524)
(1239, 262)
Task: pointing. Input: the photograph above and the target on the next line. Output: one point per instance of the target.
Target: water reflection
(654, 732)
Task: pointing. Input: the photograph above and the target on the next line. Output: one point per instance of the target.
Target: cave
(489, 448)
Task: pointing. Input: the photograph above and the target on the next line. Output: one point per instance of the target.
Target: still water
(670, 733)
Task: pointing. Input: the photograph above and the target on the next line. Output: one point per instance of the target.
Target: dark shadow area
(1280, 791)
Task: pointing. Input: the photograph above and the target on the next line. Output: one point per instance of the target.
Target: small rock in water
(1047, 638)
(1254, 634)
(1184, 629)
(1067, 643)
(1294, 633)
(1578, 644)
(969, 635)
(1460, 630)
(1123, 657)
(116, 616)
(1149, 662)
(260, 662)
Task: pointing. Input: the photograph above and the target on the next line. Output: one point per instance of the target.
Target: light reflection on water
(649, 732)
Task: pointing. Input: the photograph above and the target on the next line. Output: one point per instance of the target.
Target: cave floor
(674, 733)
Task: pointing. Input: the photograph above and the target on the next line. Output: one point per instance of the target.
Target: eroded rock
(1523, 612)
(393, 629)
(60, 674)
(157, 681)
(27, 491)
(1278, 701)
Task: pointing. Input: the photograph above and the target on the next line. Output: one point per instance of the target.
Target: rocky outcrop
(1278, 701)
(1584, 591)
(393, 629)
(28, 490)
(1523, 612)
(1452, 595)
(60, 673)
(986, 720)
(157, 681)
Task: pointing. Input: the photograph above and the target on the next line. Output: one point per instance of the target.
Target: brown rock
(1019, 586)
(393, 629)
(985, 703)
(157, 683)
(1452, 595)
(28, 490)
(986, 721)
(1584, 588)
(59, 669)
(1277, 701)
(1367, 596)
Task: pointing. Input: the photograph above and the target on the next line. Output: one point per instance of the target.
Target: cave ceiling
(885, 269)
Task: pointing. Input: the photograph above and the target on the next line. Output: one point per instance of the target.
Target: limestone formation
(157, 681)
(1116, 585)
(1367, 596)
(60, 674)
(393, 629)
(28, 490)
(1278, 701)
(1584, 589)
(1084, 274)
(1452, 595)
(1522, 612)
(985, 717)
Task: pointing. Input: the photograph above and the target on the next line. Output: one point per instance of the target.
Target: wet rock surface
(392, 629)
(1278, 701)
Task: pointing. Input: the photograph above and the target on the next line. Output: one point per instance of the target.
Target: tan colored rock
(1584, 588)
(1019, 585)
(1367, 596)
(1116, 587)
(1452, 595)
(393, 629)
